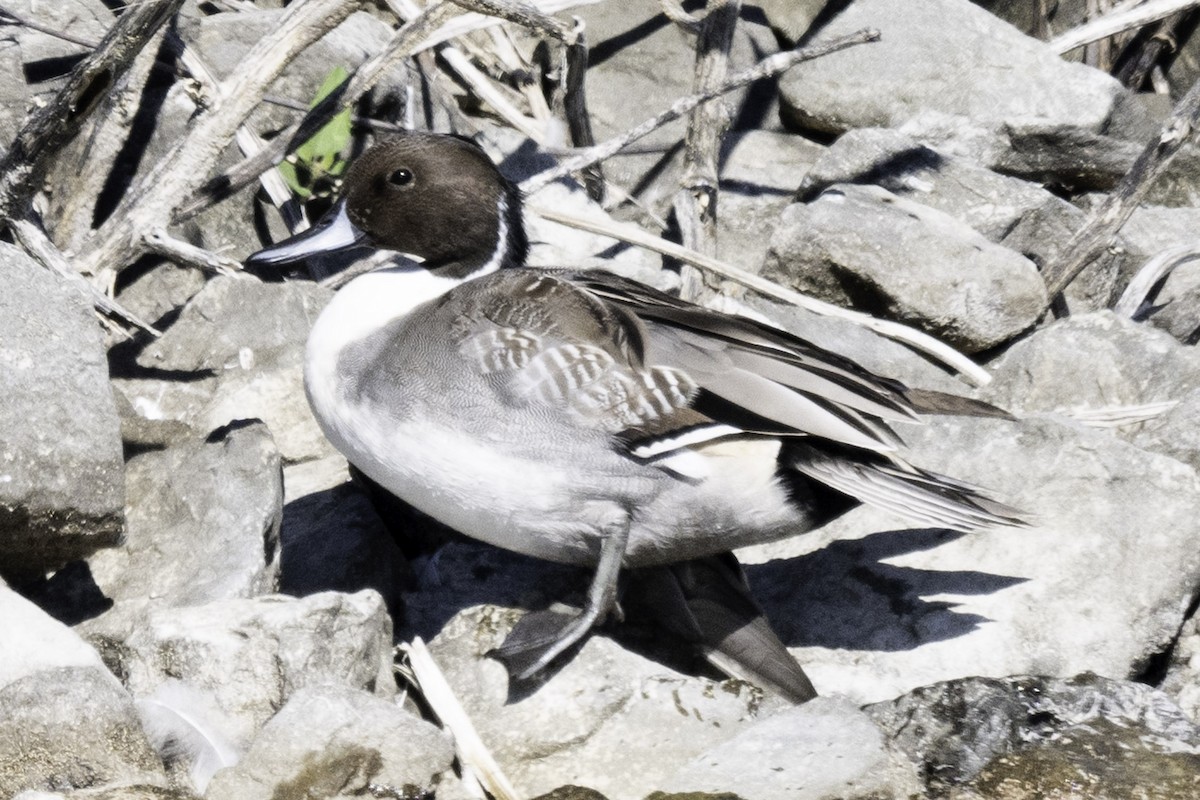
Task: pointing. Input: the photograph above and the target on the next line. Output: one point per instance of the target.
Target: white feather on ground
(183, 724)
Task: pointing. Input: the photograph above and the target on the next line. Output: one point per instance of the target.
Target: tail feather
(917, 495)
(708, 602)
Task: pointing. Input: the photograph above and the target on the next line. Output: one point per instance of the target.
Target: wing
(757, 377)
(662, 374)
(546, 340)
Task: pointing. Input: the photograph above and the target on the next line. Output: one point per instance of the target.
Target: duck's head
(433, 196)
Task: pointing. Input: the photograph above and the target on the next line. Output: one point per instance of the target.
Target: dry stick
(35, 242)
(696, 201)
(1104, 222)
(1118, 22)
(152, 203)
(164, 244)
(15, 19)
(1154, 270)
(47, 131)
(407, 41)
(248, 141)
(472, 752)
(893, 330)
(771, 65)
(674, 11)
(1134, 74)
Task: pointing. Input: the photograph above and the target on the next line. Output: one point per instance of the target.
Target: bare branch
(1117, 22)
(696, 201)
(1090, 240)
(771, 65)
(46, 132)
(38, 244)
(152, 203)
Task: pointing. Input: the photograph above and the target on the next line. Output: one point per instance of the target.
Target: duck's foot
(541, 636)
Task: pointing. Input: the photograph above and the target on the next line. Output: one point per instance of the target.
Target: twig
(1137, 65)
(1153, 271)
(674, 11)
(152, 202)
(45, 133)
(407, 41)
(38, 244)
(15, 19)
(771, 65)
(160, 242)
(1117, 22)
(526, 15)
(472, 753)
(893, 330)
(1090, 240)
(696, 201)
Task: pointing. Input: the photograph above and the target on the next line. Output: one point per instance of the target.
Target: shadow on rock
(844, 596)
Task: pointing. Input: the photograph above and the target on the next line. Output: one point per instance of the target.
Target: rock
(760, 171)
(44, 58)
(1173, 433)
(33, 642)
(137, 792)
(1082, 737)
(331, 741)
(44, 746)
(1172, 305)
(639, 64)
(1182, 682)
(1009, 211)
(252, 655)
(160, 290)
(1004, 83)
(573, 726)
(554, 245)
(204, 523)
(1126, 364)
(1099, 582)
(822, 749)
(790, 19)
(866, 248)
(62, 481)
(236, 322)
(251, 335)
(333, 540)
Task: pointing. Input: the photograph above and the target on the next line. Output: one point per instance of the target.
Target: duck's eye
(401, 177)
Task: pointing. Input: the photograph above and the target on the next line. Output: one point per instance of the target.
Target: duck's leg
(541, 636)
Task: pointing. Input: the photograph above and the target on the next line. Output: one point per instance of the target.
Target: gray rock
(43, 744)
(203, 524)
(1003, 81)
(1173, 305)
(251, 336)
(252, 655)
(1016, 213)
(333, 540)
(823, 749)
(790, 19)
(331, 741)
(864, 247)
(236, 321)
(640, 63)
(760, 171)
(161, 289)
(44, 58)
(33, 642)
(578, 725)
(1125, 364)
(13, 94)
(62, 483)
(1079, 737)
(1182, 682)
(119, 792)
(1173, 433)
(1099, 582)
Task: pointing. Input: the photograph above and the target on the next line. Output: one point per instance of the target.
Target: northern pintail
(582, 417)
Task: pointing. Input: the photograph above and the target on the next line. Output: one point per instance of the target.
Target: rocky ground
(177, 538)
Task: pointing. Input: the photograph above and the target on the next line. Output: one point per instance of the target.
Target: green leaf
(320, 157)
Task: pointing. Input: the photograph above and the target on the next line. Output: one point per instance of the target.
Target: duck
(585, 418)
